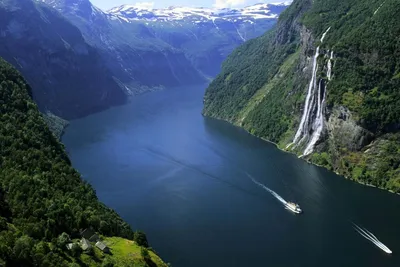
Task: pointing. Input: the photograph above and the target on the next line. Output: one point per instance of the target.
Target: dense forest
(43, 199)
(365, 37)
(263, 84)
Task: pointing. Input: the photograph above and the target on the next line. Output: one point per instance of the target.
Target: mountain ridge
(125, 36)
(256, 11)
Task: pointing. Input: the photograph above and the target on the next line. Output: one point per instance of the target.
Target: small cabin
(102, 247)
(85, 244)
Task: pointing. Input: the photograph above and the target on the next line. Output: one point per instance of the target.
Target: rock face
(322, 87)
(344, 131)
(67, 75)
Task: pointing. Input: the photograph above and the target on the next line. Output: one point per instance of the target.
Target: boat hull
(297, 211)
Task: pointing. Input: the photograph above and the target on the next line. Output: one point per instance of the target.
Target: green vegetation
(263, 83)
(368, 50)
(43, 200)
(255, 87)
(55, 124)
(322, 159)
(377, 164)
(124, 253)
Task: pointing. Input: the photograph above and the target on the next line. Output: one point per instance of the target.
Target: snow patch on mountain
(136, 12)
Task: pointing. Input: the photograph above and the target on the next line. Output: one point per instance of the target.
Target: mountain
(248, 14)
(167, 47)
(323, 83)
(80, 59)
(138, 60)
(205, 35)
(67, 75)
(43, 201)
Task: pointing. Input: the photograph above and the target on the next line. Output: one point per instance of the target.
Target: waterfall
(315, 99)
(376, 11)
(323, 35)
(318, 125)
(310, 96)
(329, 71)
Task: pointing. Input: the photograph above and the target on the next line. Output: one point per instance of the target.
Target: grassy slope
(124, 252)
(262, 84)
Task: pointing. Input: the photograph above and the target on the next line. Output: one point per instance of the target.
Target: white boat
(293, 207)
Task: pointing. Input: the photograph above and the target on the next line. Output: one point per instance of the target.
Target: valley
(143, 133)
(80, 59)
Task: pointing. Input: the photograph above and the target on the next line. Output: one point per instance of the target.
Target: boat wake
(369, 236)
(171, 159)
(273, 193)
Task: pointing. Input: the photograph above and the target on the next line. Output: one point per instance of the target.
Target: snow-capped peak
(148, 13)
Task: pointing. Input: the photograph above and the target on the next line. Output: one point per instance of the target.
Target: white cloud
(228, 3)
(144, 5)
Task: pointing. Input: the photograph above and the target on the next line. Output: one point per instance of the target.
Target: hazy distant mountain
(206, 35)
(67, 75)
(173, 46)
(80, 59)
(248, 14)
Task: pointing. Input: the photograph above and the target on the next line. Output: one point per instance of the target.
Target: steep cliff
(323, 84)
(67, 75)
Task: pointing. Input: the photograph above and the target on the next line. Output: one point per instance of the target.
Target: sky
(107, 4)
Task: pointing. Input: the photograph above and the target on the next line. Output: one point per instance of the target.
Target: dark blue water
(185, 180)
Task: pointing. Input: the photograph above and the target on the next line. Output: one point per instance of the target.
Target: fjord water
(186, 181)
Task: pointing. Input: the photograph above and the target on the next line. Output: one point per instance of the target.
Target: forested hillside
(324, 83)
(42, 198)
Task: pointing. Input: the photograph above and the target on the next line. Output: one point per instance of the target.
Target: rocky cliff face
(67, 75)
(321, 86)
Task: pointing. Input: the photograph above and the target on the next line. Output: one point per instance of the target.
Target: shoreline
(301, 158)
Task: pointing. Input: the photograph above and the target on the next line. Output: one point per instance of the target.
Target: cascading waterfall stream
(315, 98)
(318, 125)
(309, 97)
(329, 72)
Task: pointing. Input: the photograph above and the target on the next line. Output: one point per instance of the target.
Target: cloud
(228, 3)
(144, 5)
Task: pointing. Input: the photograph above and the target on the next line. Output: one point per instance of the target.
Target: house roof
(101, 245)
(87, 233)
(85, 243)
